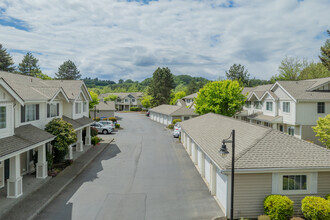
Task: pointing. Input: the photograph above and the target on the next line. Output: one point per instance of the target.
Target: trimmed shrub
(296, 218)
(170, 126)
(94, 132)
(113, 119)
(176, 120)
(315, 208)
(104, 119)
(327, 196)
(117, 125)
(134, 109)
(278, 207)
(95, 140)
(263, 217)
(96, 119)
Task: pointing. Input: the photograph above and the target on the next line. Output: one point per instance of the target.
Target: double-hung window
(85, 107)
(269, 106)
(3, 120)
(248, 104)
(286, 106)
(294, 182)
(78, 107)
(53, 110)
(320, 107)
(30, 112)
(257, 105)
(291, 131)
(133, 100)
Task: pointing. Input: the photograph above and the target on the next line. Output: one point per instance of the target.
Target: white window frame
(133, 100)
(317, 106)
(287, 108)
(50, 110)
(85, 107)
(35, 112)
(269, 104)
(294, 130)
(126, 100)
(78, 107)
(5, 121)
(257, 105)
(277, 183)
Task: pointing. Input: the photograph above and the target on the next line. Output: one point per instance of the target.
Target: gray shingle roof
(78, 123)
(122, 95)
(173, 110)
(106, 106)
(257, 147)
(32, 88)
(25, 136)
(191, 96)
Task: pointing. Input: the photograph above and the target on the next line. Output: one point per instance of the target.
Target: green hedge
(315, 208)
(117, 125)
(97, 119)
(278, 207)
(327, 197)
(135, 109)
(95, 140)
(113, 119)
(176, 120)
(170, 126)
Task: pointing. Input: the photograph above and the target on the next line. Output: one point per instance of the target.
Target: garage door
(207, 169)
(221, 188)
(199, 158)
(193, 149)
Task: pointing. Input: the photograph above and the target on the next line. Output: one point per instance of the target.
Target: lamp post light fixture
(224, 151)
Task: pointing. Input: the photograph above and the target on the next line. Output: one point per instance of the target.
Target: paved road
(145, 174)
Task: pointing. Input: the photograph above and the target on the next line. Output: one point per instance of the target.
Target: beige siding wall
(101, 113)
(309, 134)
(251, 190)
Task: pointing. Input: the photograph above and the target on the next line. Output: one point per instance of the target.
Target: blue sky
(114, 39)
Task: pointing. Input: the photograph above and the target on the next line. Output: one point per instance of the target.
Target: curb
(66, 184)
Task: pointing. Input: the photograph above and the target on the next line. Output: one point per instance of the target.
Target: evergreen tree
(239, 73)
(6, 61)
(160, 86)
(325, 53)
(29, 66)
(68, 71)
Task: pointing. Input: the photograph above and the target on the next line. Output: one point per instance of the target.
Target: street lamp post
(223, 151)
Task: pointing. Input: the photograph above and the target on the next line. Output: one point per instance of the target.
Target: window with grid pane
(320, 107)
(295, 182)
(286, 106)
(269, 106)
(3, 122)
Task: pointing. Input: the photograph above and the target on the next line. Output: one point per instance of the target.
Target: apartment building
(189, 100)
(27, 104)
(292, 107)
(125, 100)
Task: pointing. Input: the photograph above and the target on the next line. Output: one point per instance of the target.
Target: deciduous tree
(95, 99)
(111, 98)
(146, 101)
(178, 95)
(290, 69)
(322, 130)
(6, 61)
(68, 71)
(314, 71)
(160, 86)
(221, 97)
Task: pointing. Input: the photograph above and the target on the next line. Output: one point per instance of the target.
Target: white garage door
(221, 189)
(199, 158)
(207, 169)
(193, 149)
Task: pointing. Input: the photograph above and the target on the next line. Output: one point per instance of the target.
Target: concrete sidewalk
(32, 204)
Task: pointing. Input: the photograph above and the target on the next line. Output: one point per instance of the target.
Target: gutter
(271, 170)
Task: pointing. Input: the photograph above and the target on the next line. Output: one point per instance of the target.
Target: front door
(7, 169)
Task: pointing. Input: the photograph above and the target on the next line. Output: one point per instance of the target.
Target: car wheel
(104, 132)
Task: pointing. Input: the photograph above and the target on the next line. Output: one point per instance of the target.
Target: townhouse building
(27, 104)
(125, 100)
(292, 107)
(189, 100)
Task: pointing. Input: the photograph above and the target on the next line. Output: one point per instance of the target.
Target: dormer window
(3, 121)
(53, 110)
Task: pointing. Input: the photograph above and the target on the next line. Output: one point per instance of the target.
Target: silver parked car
(177, 130)
(108, 123)
(104, 129)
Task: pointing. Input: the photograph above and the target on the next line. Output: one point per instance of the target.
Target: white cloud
(119, 39)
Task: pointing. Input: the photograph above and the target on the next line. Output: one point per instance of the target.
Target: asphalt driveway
(145, 174)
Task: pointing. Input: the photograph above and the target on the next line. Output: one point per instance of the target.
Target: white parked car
(104, 129)
(108, 123)
(177, 130)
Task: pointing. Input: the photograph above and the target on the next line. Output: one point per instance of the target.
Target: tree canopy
(178, 95)
(322, 130)
(146, 101)
(239, 73)
(29, 66)
(160, 86)
(95, 99)
(290, 69)
(220, 97)
(314, 71)
(325, 53)
(6, 61)
(111, 98)
(68, 71)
